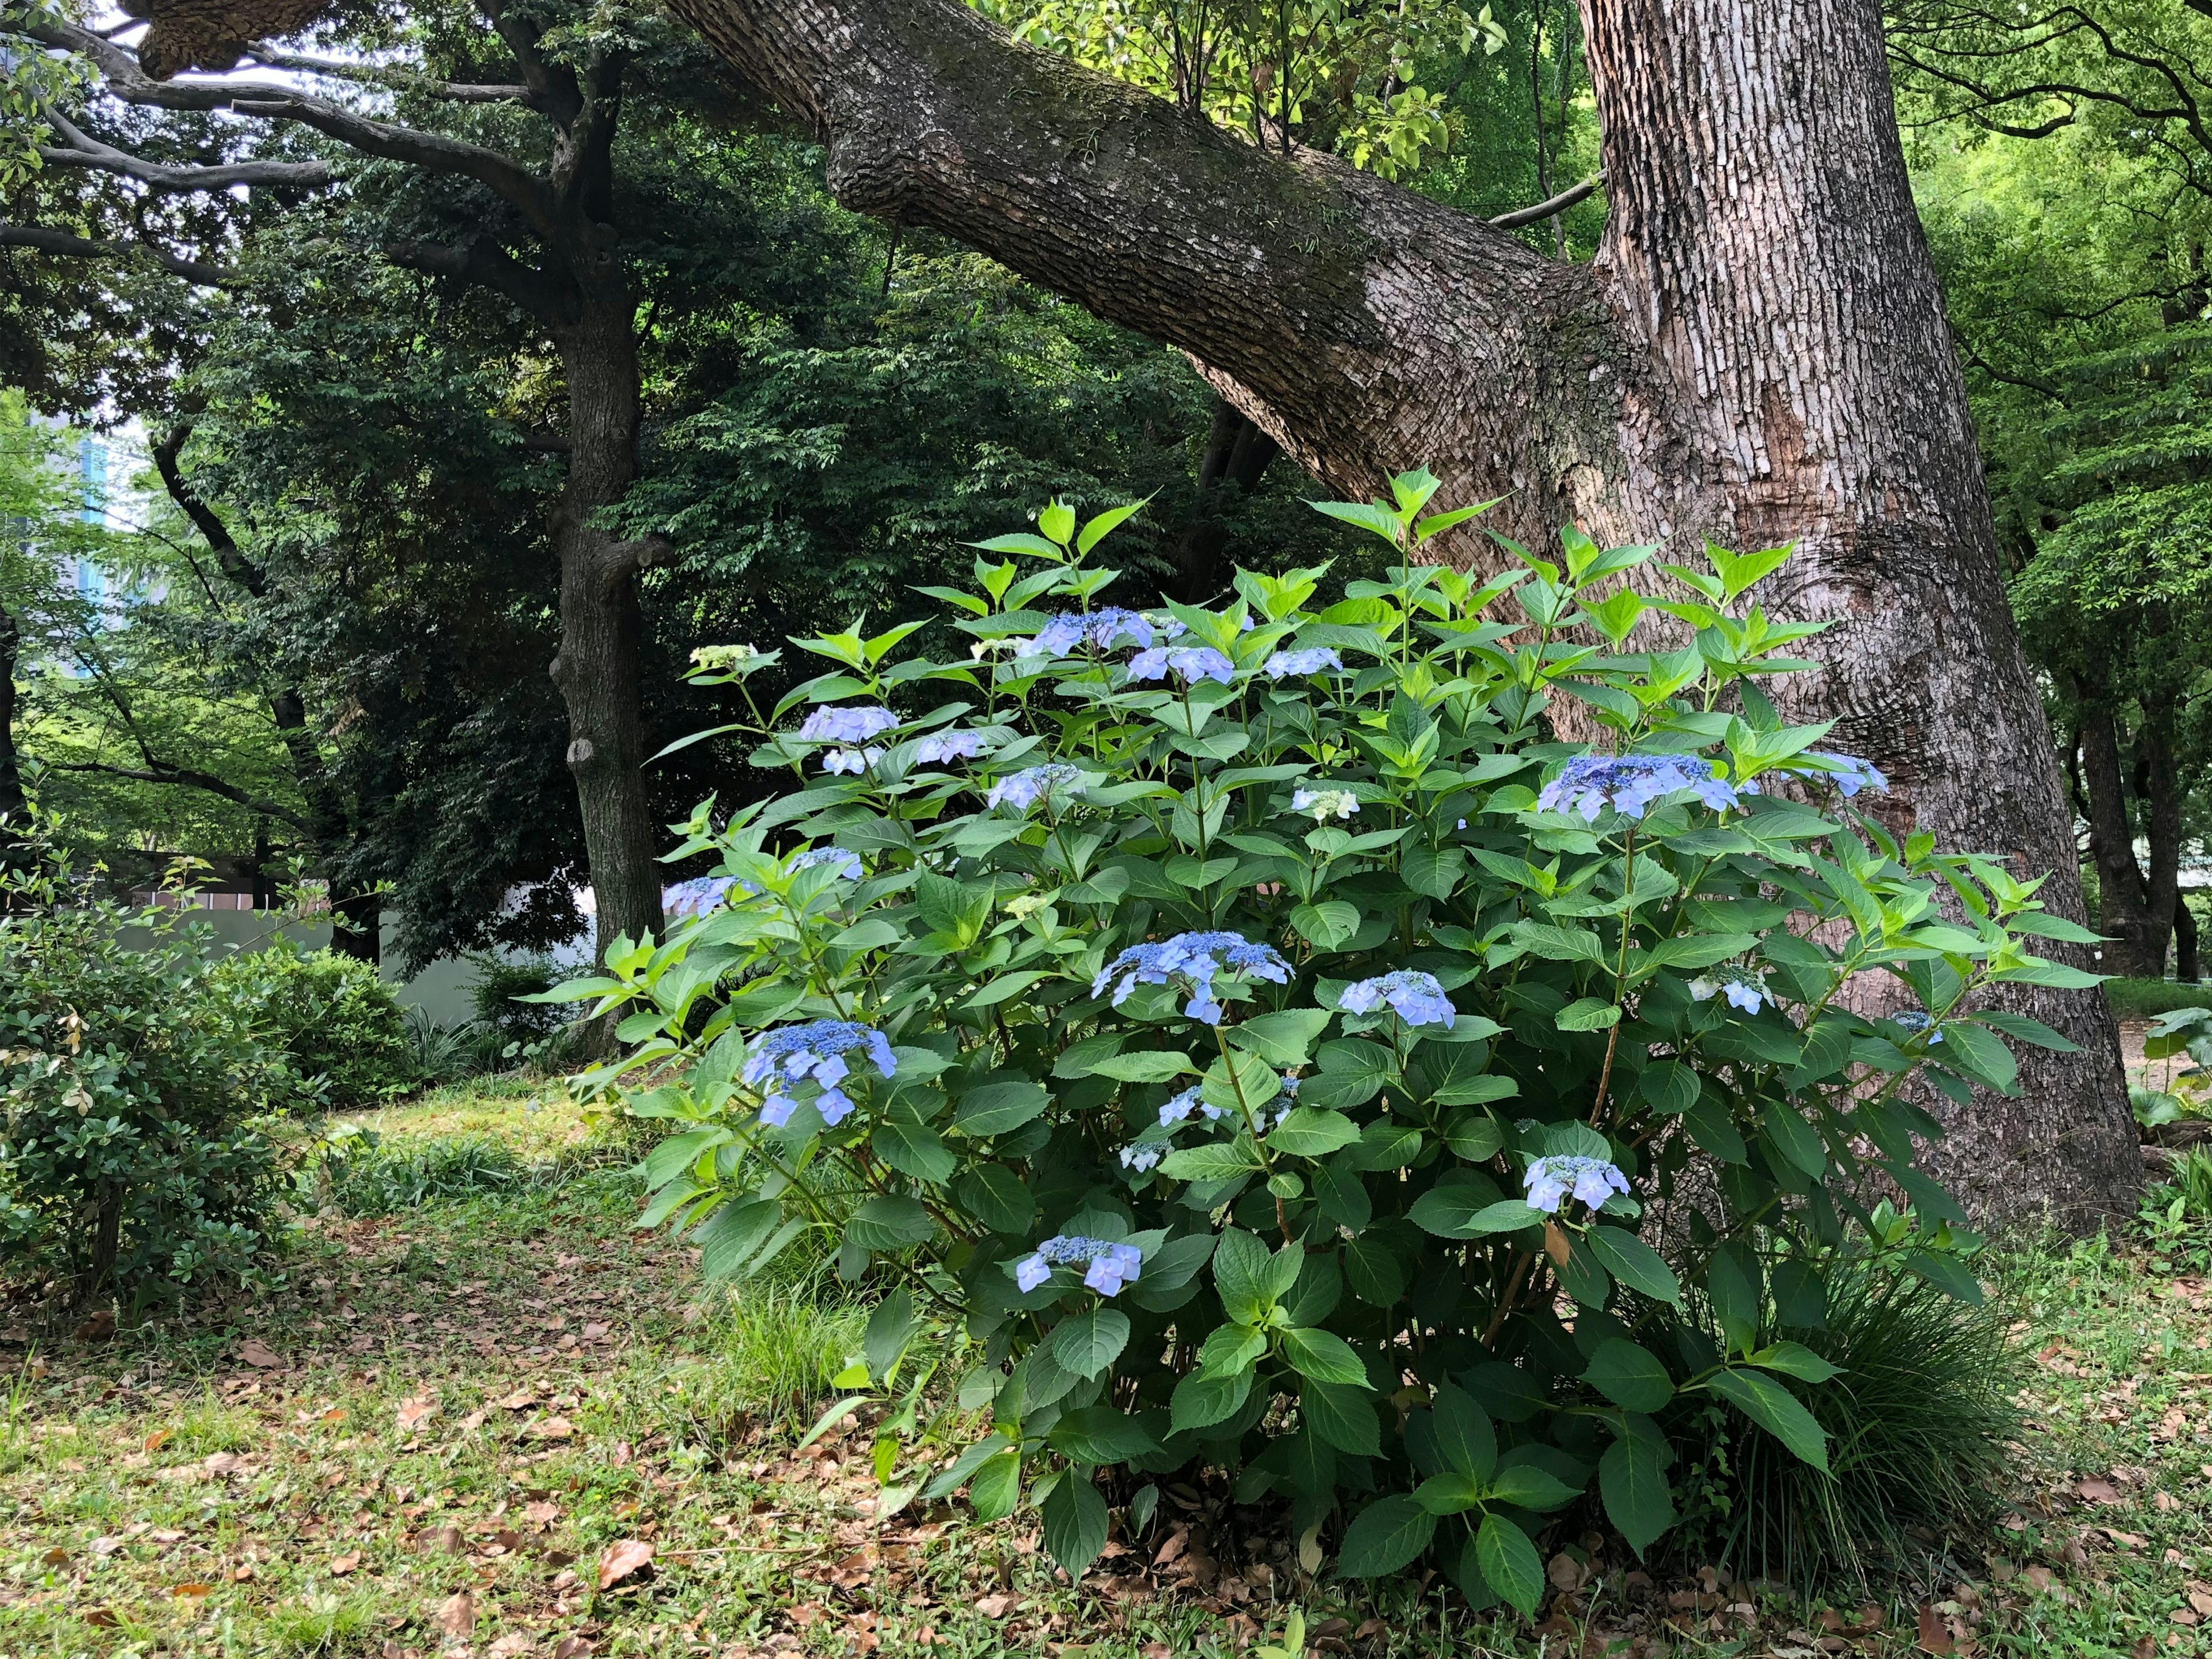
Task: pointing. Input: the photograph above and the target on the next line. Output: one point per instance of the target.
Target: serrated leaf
(1201, 1401)
(998, 1107)
(1343, 1417)
(1775, 1409)
(1085, 1344)
(1074, 1524)
(1634, 1263)
(1526, 1486)
(1324, 1356)
(1510, 1562)
(1307, 1132)
(1629, 1374)
(1631, 1479)
(1101, 1435)
(1386, 1535)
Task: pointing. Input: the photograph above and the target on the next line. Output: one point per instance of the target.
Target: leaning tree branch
(70, 246)
(1278, 273)
(1550, 208)
(399, 77)
(81, 149)
(128, 81)
(188, 778)
(484, 262)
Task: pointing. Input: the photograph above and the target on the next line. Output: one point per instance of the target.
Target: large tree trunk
(596, 669)
(1758, 354)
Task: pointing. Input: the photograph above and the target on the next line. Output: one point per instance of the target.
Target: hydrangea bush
(1246, 1037)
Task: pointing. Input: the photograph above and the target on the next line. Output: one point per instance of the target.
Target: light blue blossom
(1852, 774)
(1023, 790)
(832, 725)
(814, 1051)
(1325, 804)
(1104, 629)
(1413, 996)
(1179, 1107)
(1142, 1156)
(940, 746)
(1111, 1266)
(1913, 1020)
(846, 862)
(1189, 663)
(1630, 783)
(1196, 958)
(1290, 1086)
(1550, 1180)
(855, 761)
(1740, 986)
(1311, 660)
(698, 895)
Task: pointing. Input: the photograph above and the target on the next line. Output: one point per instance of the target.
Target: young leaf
(1510, 1562)
(1387, 1535)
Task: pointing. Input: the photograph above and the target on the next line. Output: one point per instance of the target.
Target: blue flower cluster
(1325, 804)
(846, 862)
(1913, 1020)
(1592, 1180)
(1102, 629)
(1023, 790)
(1738, 986)
(1194, 957)
(855, 761)
(699, 896)
(1111, 1266)
(816, 1051)
(940, 746)
(828, 725)
(1630, 783)
(1852, 774)
(1311, 660)
(1177, 1107)
(1413, 996)
(1189, 663)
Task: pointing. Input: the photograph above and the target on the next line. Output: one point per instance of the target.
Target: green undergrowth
(2146, 998)
(514, 1361)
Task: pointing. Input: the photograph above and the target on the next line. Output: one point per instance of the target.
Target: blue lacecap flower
(1103, 629)
(1110, 1266)
(1311, 660)
(1913, 1020)
(815, 1051)
(698, 895)
(1023, 790)
(1630, 783)
(845, 862)
(834, 725)
(1413, 996)
(1187, 663)
(940, 746)
(855, 761)
(1196, 958)
(1550, 1180)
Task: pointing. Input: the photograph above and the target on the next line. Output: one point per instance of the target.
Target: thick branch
(1551, 208)
(185, 777)
(128, 81)
(485, 263)
(396, 77)
(82, 150)
(213, 530)
(1344, 312)
(70, 246)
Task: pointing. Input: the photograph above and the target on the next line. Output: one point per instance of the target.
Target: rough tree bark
(1758, 353)
(2122, 909)
(12, 797)
(1237, 456)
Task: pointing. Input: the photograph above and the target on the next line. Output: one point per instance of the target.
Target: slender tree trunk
(1759, 354)
(2122, 915)
(2161, 795)
(596, 669)
(2186, 969)
(1237, 454)
(12, 797)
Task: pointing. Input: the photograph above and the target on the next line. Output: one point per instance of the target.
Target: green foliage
(2146, 998)
(1917, 1416)
(361, 1174)
(496, 992)
(332, 1015)
(133, 1082)
(1113, 986)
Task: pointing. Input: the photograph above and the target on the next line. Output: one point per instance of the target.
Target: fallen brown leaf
(624, 1559)
(508, 1646)
(55, 1557)
(572, 1647)
(417, 1410)
(458, 1617)
(260, 1355)
(544, 1513)
(156, 1441)
(99, 1325)
(1935, 1635)
(101, 1618)
(997, 1607)
(2098, 1489)
(550, 1428)
(191, 1591)
(342, 1565)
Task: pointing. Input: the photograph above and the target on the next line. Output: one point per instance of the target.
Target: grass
(2146, 998)
(426, 1441)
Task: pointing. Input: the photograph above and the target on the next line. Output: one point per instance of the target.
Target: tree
(1758, 354)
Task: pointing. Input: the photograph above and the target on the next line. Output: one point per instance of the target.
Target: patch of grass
(523, 1367)
(2146, 998)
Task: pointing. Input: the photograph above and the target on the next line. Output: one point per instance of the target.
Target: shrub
(501, 982)
(2146, 998)
(1917, 1419)
(132, 1081)
(334, 1015)
(1230, 1036)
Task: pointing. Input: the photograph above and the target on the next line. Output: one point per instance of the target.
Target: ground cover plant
(1232, 1039)
(444, 1421)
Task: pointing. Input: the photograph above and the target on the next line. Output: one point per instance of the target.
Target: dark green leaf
(1100, 1434)
(1464, 1437)
(1323, 1356)
(1775, 1409)
(1629, 1374)
(1085, 1344)
(996, 1108)
(1510, 1562)
(1634, 1263)
(1343, 1417)
(1631, 1479)
(1385, 1536)
(1074, 1523)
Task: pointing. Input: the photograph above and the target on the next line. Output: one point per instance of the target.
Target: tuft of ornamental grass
(1918, 1427)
